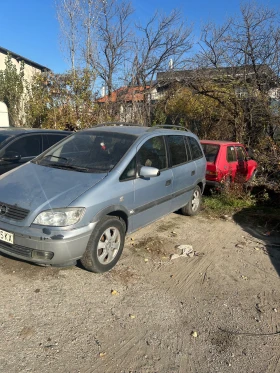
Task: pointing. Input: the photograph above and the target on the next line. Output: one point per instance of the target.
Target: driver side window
(27, 146)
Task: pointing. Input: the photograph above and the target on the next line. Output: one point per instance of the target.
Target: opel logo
(3, 209)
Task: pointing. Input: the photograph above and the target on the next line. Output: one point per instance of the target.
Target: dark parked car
(20, 145)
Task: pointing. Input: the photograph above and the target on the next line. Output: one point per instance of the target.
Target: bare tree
(213, 46)
(114, 35)
(238, 65)
(90, 18)
(68, 14)
(164, 37)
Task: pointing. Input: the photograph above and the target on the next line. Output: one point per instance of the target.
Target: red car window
(241, 156)
(211, 151)
(231, 154)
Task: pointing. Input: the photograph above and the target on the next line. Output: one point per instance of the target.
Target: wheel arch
(201, 186)
(114, 210)
(120, 214)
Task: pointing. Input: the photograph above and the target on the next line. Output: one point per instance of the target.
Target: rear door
(152, 195)
(183, 169)
(198, 157)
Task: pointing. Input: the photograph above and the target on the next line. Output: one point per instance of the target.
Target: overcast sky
(30, 28)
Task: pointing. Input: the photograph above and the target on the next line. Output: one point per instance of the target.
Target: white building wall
(29, 70)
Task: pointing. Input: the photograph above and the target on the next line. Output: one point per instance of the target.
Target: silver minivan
(79, 199)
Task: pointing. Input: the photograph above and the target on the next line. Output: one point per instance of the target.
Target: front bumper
(66, 245)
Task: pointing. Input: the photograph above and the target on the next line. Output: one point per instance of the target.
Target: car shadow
(263, 223)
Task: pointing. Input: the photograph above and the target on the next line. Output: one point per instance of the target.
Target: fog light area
(36, 254)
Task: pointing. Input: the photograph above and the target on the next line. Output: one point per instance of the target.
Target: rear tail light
(212, 173)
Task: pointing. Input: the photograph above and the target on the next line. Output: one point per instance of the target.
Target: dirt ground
(217, 311)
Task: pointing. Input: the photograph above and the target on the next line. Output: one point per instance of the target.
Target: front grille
(13, 212)
(16, 249)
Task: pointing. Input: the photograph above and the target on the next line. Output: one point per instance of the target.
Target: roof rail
(168, 126)
(118, 124)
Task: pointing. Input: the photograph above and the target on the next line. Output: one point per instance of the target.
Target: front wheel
(253, 176)
(194, 205)
(105, 245)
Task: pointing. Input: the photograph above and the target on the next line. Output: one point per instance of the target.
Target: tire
(253, 176)
(105, 245)
(194, 205)
(225, 185)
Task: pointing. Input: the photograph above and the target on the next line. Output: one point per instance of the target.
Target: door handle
(193, 172)
(168, 182)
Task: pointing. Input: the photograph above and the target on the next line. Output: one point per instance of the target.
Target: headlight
(60, 217)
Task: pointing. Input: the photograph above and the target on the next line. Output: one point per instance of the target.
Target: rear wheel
(194, 205)
(225, 184)
(105, 245)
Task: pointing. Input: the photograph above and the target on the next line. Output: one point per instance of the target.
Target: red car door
(242, 165)
(232, 162)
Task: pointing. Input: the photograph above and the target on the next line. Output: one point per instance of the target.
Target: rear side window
(153, 153)
(27, 146)
(195, 148)
(231, 155)
(211, 151)
(177, 149)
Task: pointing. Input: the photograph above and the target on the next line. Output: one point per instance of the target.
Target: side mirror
(11, 156)
(148, 172)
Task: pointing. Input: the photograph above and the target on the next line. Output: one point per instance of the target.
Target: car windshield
(211, 151)
(96, 151)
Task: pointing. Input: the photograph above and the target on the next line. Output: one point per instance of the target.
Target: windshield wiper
(69, 167)
(54, 156)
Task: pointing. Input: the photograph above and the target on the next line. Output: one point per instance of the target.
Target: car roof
(135, 130)
(219, 142)
(14, 131)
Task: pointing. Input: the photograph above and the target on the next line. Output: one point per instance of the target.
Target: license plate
(6, 236)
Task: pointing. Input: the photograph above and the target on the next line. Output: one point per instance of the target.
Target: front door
(152, 195)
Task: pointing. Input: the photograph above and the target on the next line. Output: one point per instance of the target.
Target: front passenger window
(130, 171)
(231, 155)
(153, 153)
(240, 154)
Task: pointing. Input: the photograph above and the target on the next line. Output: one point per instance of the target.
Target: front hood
(37, 188)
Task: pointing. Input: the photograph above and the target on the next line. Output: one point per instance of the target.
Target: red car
(227, 162)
